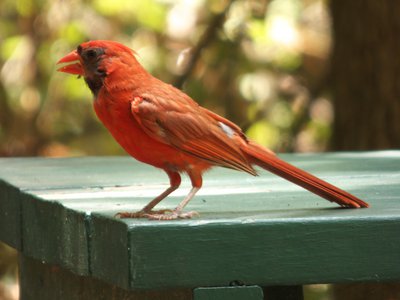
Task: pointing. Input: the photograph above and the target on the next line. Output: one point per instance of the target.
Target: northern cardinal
(160, 125)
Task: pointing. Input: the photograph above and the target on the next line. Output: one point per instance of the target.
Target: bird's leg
(177, 213)
(147, 211)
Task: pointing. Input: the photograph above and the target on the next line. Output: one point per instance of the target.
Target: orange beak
(75, 68)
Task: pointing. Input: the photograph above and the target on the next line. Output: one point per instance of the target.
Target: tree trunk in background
(366, 74)
(366, 90)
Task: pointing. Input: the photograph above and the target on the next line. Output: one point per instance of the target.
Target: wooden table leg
(290, 292)
(48, 282)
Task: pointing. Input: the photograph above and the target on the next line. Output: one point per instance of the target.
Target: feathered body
(160, 125)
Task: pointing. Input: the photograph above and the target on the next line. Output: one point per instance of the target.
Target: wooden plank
(40, 214)
(259, 230)
(10, 215)
(110, 262)
(55, 234)
(296, 251)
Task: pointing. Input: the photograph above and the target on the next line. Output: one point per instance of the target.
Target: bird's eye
(91, 53)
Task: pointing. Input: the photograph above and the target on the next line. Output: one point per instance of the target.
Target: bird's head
(95, 60)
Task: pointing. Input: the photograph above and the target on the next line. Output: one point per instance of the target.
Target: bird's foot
(141, 214)
(161, 215)
(174, 215)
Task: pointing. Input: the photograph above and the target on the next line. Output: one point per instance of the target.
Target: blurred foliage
(262, 64)
(8, 273)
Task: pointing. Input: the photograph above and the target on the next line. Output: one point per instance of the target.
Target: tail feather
(265, 159)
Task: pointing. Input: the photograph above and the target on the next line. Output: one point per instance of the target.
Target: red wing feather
(191, 131)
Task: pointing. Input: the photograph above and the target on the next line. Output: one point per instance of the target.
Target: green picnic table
(254, 236)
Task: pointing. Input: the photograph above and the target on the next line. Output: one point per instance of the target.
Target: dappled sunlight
(241, 72)
(282, 32)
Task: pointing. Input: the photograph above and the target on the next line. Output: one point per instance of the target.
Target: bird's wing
(192, 129)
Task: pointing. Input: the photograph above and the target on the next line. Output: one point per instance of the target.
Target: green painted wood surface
(258, 230)
(10, 217)
(229, 293)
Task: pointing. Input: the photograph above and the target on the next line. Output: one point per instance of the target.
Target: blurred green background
(255, 62)
(296, 75)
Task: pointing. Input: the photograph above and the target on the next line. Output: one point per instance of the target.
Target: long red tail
(261, 157)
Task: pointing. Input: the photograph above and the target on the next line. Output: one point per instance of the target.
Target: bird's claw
(174, 215)
(141, 214)
(160, 215)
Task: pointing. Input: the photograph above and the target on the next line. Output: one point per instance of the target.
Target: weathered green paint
(229, 293)
(10, 218)
(296, 251)
(56, 234)
(111, 263)
(258, 230)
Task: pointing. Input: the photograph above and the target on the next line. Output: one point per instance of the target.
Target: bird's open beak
(75, 68)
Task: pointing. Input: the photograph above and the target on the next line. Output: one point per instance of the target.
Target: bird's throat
(95, 83)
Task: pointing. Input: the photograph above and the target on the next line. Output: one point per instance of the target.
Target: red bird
(162, 126)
